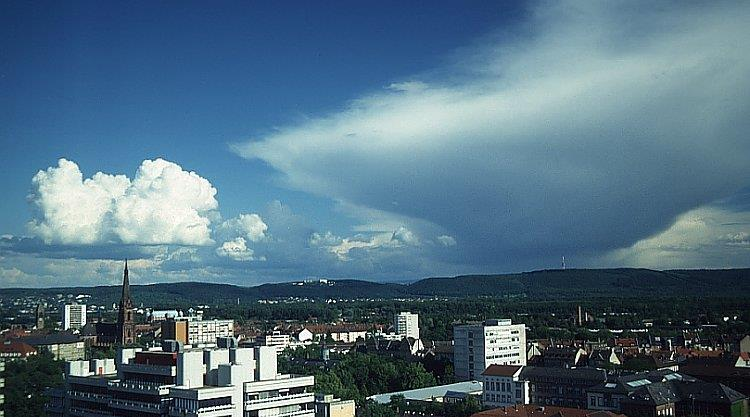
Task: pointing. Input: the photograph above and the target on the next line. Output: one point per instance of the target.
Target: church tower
(126, 316)
(40, 316)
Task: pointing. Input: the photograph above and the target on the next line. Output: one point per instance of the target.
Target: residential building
(545, 411)
(666, 393)
(192, 330)
(328, 406)
(64, 346)
(406, 324)
(604, 358)
(174, 381)
(304, 335)
(610, 394)
(651, 401)
(74, 316)
(503, 386)
(161, 315)
(493, 342)
(564, 357)
(16, 349)
(276, 339)
(565, 387)
(705, 369)
(710, 399)
(347, 332)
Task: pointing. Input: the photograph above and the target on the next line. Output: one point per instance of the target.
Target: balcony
(136, 405)
(203, 412)
(89, 396)
(156, 388)
(139, 368)
(279, 401)
(299, 413)
(85, 412)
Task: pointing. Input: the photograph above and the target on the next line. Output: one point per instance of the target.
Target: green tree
(25, 382)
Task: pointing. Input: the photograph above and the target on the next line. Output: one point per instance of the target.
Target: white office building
(74, 316)
(493, 342)
(406, 324)
(223, 381)
(278, 340)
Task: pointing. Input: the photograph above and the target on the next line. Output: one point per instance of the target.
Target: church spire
(125, 318)
(125, 300)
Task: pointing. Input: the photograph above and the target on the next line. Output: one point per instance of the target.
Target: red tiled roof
(501, 370)
(15, 346)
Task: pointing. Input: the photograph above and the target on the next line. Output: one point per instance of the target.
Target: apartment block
(74, 316)
(193, 330)
(493, 342)
(406, 324)
(503, 386)
(174, 381)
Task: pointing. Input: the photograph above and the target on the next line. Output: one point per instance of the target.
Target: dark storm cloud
(595, 132)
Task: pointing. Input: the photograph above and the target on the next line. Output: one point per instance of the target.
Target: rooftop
(501, 370)
(531, 410)
(429, 393)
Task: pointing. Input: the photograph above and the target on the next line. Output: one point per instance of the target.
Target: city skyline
(250, 144)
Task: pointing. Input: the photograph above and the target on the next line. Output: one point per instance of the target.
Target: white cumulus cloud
(342, 246)
(235, 249)
(163, 204)
(250, 226)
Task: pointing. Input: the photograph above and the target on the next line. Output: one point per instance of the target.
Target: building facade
(406, 324)
(564, 387)
(493, 342)
(328, 406)
(193, 330)
(503, 386)
(177, 382)
(74, 316)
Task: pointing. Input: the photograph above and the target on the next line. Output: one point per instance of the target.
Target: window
(593, 400)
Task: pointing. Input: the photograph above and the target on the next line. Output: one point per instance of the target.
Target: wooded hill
(547, 284)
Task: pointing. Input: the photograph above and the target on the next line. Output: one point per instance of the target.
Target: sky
(247, 143)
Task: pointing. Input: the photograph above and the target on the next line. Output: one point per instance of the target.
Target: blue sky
(389, 142)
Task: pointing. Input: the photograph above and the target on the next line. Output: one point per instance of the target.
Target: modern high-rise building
(74, 316)
(406, 324)
(223, 381)
(493, 342)
(192, 330)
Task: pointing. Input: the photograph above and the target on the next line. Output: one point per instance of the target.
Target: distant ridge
(544, 284)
